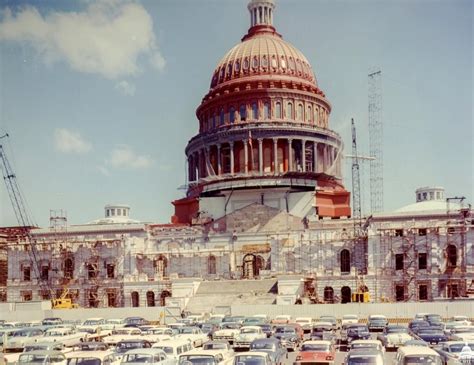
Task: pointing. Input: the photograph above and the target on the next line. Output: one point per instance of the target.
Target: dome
(432, 206)
(263, 52)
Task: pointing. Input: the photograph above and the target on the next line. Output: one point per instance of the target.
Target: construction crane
(356, 204)
(26, 223)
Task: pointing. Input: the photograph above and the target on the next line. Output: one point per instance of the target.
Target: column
(190, 168)
(231, 144)
(275, 156)
(303, 154)
(290, 155)
(315, 156)
(260, 156)
(246, 155)
(207, 161)
(219, 163)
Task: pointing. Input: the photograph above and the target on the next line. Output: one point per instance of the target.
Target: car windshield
(166, 349)
(348, 316)
(248, 330)
(125, 346)
(459, 346)
(397, 330)
(214, 346)
(249, 360)
(285, 330)
(364, 345)
(197, 359)
(91, 322)
(186, 330)
(84, 361)
(37, 359)
(365, 359)
(315, 347)
(121, 332)
(96, 346)
(262, 346)
(54, 333)
(322, 328)
(19, 334)
(138, 358)
(41, 347)
(426, 359)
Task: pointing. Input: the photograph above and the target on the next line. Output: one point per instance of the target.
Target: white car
(152, 356)
(91, 325)
(192, 334)
(200, 357)
(174, 348)
(67, 336)
(246, 335)
(157, 334)
(462, 320)
(103, 357)
(18, 339)
(120, 334)
(42, 357)
(462, 333)
(228, 332)
(306, 323)
(349, 319)
(223, 347)
(251, 358)
(367, 344)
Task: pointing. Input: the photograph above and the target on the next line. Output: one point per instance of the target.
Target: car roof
(43, 352)
(417, 350)
(171, 343)
(255, 353)
(366, 341)
(211, 352)
(317, 342)
(322, 324)
(252, 327)
(151, 351)
(364, 352)
(98, 354)
(266, 340)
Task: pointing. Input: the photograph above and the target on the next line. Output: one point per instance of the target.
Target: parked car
(349, 319)
(267, 329)
(174, 348)
(126, 345)
(157, 334)
(316, 352)
(222, 346)
(432, 336)
(123, 334)
(246, 335)
(357, 332)
(323, 331)
(433, 318)
(417, 325)
(51, 321)
(134, 321)
(306, 323)
(193, 334)
(281, 319)
(377, 322)
(252, 358)
(42, 357)
(464, 320)
(209, 329)
(450, 351)
(364, 356)
(228, 332)
(462, 333)
(416, 343)
(151, 356)
(92, 357)
(68, 336)
(287, 336)
(394, 336)
(18, 339)
(367, 344)
(417, 355)
(44, 346)
(202, 357)
(273, 347)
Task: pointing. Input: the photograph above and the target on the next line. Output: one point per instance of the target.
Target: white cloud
(124, 157)
(70, 142)
(125, 88)
(107, 38)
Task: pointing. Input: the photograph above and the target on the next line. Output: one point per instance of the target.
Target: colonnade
(264, 156)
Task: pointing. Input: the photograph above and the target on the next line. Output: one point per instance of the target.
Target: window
(264, 61)
(283, 63)
(26, 273)
(135, 299)
(274, 62)
(308, 114)
(232, 115)
(292, 64)
(425, 196)
(237, 66)
(419, 196)
(423, 292)
(422, 261)
(44, 272)
(300, 115)
(211, 265)
(399, 233)
(229, 69)
(91, 271)
(222, 116)
(266, 111)
(243, 113)
(289, 111)
(422, 232)
(246, 64)
(399, 293)
(431, 195)
(124, 213)
(328, 294)
(110, 271)
(452, 255)
(316, 119)
(345, 261)
(119, 211)
(68, 268)
(255, 62)
(278, 110)
(150, 299)
(254, 111)
(107, 213)
(113, 212)
(438, 195)
(399, 261)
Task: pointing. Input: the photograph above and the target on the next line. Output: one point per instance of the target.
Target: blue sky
(99, 98)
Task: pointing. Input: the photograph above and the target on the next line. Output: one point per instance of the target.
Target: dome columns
(261, 12)
(263, 156)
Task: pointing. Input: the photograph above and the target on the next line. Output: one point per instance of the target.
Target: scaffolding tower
(376, 141)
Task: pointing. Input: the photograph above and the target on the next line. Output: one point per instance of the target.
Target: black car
(127, 345)
(433, 318)
(288, 336)
(417, 324)
(432, 336)
(266, 328)
(135, 322)
(272, 346)
(357, 332)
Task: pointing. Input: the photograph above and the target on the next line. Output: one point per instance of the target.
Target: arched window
(229, 69)
(246, 64)
(243, 113)
(232, 115)
(300, 112)
(150, 299)
(329, 294)
(237, 66)
(254, 111)
(283, 63)
(309, 114)
(164, 294)
(289, 111)
(345, 261)
(452, 254)
(266, 111)
(135, 299)
(278, 110)
(211, 265)
(316, 119)
(255, 62)
(222, 117)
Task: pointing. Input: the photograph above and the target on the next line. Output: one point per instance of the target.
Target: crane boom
(356, 205)
(23, 218)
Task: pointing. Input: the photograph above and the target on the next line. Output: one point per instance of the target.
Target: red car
(316, 352)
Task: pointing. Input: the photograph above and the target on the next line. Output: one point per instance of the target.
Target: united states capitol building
(266, 217)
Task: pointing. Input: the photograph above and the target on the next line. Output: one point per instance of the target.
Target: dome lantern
(261, 12)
